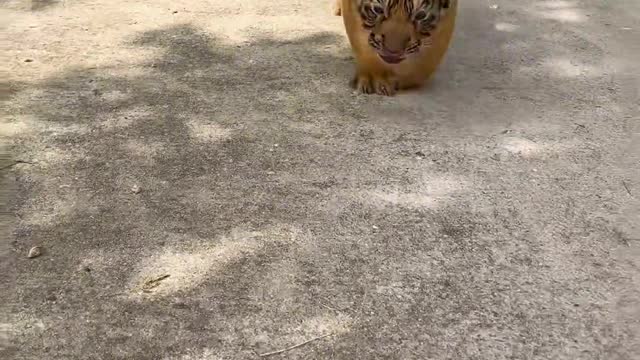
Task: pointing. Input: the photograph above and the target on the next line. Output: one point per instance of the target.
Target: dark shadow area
(38, 5)
(202, 189)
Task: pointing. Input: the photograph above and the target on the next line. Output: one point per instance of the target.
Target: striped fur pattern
(424, 14)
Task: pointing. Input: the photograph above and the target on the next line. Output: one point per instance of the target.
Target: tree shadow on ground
(215, 136)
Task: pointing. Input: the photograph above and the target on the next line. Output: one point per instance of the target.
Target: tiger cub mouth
(392, 59)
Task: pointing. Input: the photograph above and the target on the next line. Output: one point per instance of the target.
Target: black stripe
(428, 5)
(408, 6)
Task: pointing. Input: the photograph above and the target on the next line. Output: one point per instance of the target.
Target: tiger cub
(397, 44)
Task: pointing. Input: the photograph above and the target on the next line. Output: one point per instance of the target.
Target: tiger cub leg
(337, 7)
(372, 78)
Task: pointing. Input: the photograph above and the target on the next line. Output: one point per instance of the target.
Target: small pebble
(28, 60)
(136, 189)
(34, 252)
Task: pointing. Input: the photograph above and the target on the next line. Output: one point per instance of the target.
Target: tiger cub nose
(395, 44)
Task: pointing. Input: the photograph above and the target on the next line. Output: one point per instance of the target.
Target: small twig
(150, 284)
(160, 278)
(329, 307)
(294, 346)
(93, 195)
(626, 187)
(201, 12)
(627, 241)
(112, 294)
(16, 163)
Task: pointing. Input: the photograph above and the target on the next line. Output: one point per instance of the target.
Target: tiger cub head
(399, 28)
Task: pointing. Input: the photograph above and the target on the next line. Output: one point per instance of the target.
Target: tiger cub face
(399, 28)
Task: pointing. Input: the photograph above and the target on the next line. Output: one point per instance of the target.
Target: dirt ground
(494, 214)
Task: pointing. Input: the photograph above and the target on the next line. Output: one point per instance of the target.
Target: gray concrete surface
(491, 215)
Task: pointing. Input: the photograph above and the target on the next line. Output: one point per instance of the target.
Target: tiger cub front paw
(374, 84)
(337, 7)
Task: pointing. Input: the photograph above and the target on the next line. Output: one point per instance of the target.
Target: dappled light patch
(207, 132)
(563, 11)
(556, 4)
(181, 268)
(561, 68)
(14, 127)
(506, 27)
(520, 146)
(430, 193)
(56, 157)
(410, 199)
(14, 326)
(566, 68)
(326, 323)
(526, 148)
(28, 125)
(135, 68)
(6, 333)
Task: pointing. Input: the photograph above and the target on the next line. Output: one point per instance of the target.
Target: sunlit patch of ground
(189, 265)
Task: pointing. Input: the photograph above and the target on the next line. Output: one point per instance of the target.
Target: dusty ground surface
(492, 215)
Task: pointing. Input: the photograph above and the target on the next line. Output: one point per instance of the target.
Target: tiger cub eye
(374, 9)
(377, 9)
(420, 15)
